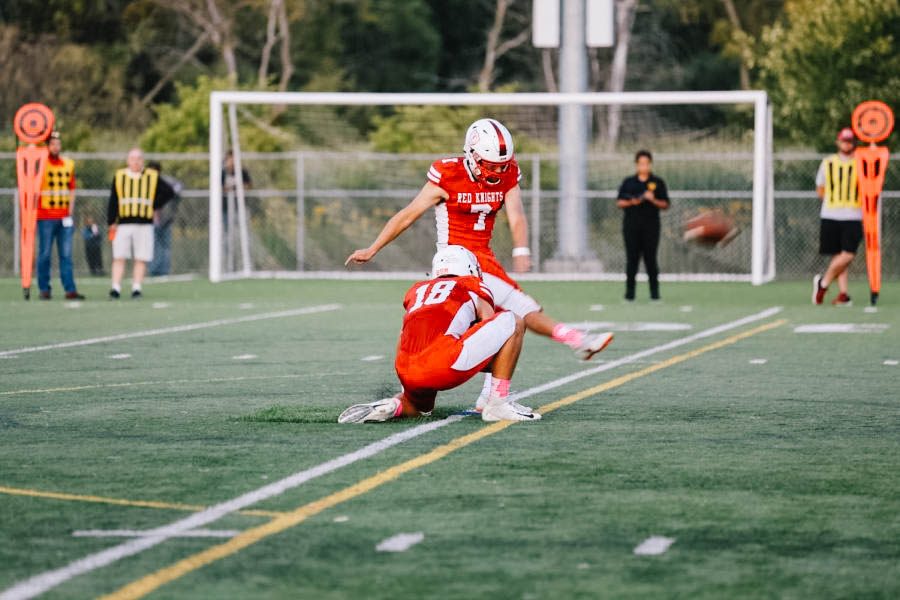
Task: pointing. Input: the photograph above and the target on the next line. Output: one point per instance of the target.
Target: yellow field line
(124, 502)
(143, 586)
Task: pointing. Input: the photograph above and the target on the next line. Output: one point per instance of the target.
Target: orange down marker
(872, 122)
(33, 124)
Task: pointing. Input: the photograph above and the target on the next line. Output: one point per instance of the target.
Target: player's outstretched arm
(427, 197)
(518, 228)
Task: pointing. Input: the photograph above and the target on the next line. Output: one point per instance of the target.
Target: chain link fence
(308, 210)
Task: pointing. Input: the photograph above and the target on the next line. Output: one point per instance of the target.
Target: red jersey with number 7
(443, 306)
(467, 217)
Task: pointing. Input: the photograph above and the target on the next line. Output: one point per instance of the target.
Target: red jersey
(467, 217)
(59, 181)
(437, 307)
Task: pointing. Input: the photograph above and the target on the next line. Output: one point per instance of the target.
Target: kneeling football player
(451, 332)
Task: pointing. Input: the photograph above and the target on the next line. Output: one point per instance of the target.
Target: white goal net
(323, 172)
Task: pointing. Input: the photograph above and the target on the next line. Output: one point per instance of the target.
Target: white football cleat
(593, 344)
(505, 410)
(483, 400)
(371, 412)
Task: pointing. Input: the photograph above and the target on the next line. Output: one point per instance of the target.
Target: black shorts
(839, 236)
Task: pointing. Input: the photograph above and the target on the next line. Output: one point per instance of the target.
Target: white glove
(68, 222)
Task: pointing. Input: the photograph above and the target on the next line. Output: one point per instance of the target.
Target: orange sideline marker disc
(872, 121)
(33, 123)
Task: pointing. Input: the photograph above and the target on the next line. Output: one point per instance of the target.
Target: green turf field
(771, 457)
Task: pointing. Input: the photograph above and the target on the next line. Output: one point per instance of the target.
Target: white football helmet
(489, 150)
(454, 260)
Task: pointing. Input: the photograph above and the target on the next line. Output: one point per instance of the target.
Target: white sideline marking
(245, 305)
(891, 363)
(340, 519)
(842, 328)
(177, 329)
(758, 361)
(161, 305)
(636, 326)
(654, 545)
(78, 388)
(870, 309)
(400, 542)
(686, 308)
(372, 357)
(42, 582)
(244, 357)
(135, 533)
(70, 304)
(119, 356)
(596, 307)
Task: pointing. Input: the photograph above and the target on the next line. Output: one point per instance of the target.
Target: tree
(495, 48)
(824, 58)
(625, 13)
(82, 86)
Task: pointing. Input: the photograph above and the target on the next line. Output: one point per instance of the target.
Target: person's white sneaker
(592, 344)
(371, 412)
(504, 410)
(483, 400)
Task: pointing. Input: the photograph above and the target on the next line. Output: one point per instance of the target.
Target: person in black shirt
(641, 197)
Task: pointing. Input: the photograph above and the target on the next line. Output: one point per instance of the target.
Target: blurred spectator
(162, 225)
(229, 181)
(93, 246)
(54, 220)
(840, 218)
(641, 197)
(135, 195)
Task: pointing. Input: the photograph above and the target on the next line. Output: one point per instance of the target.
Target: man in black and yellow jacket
(136, 192)
(841, 228)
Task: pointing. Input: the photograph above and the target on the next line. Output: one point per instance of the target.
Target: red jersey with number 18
(443, 306)
(467, 217)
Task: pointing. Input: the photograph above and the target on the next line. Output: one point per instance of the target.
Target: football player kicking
(466, 193)
(450, 333)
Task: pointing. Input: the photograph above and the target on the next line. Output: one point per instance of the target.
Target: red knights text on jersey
(443, 306)
(467, 217)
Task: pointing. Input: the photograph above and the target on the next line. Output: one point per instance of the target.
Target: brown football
(710, 227)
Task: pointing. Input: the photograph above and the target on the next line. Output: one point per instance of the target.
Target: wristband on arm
(521, 251)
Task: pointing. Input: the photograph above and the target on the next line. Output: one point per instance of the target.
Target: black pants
(641, 240)
(93, 251)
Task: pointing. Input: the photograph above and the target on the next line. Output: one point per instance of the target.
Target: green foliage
(826, 57)
(184, 126)
(82, 84)
(422, 128)
(391, 46)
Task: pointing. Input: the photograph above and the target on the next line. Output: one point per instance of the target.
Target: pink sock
(567, 335)
(499, 388)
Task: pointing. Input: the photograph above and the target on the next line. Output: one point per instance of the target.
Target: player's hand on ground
(359, 257)
(521, 264)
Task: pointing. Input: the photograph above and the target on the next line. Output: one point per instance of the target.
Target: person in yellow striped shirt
(841, 218)
(136, 192)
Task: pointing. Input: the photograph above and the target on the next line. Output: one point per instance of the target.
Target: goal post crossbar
(762, 264)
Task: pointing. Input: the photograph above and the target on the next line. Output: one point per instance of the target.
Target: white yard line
(176, 329)
(48, 580)
(136, 533)
(654, 546)
(400, 542)
(97, 386)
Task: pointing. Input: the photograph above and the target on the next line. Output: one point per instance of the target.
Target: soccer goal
(313, 176)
